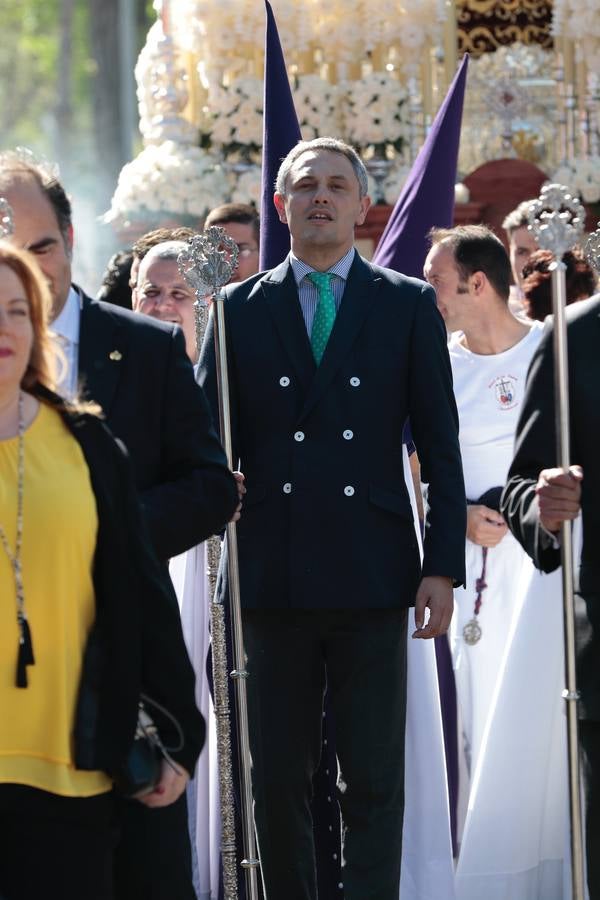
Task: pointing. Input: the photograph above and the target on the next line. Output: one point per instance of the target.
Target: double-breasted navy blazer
(326, 521)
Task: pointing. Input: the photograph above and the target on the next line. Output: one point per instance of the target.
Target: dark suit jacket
(136, 642)
(137, 370)
(535, 449)
(326, 521)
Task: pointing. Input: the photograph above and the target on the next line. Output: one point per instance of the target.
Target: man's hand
(485, 526)
(170, 787)
(559, 496)
(436, 593)
(241, 491)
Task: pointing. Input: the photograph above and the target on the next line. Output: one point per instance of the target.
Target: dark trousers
(55, 848)
(589, 740)
(360, 655)
(153, 859)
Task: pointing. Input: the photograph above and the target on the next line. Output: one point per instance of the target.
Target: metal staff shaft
(570, 694)
(250, 861)
(223, 724)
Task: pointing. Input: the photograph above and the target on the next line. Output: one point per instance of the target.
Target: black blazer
(326, 521)
(137, 370)
(535, 449)
(136, 643)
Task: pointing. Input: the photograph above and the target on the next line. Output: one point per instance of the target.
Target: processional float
(207, 264)
(557, 219)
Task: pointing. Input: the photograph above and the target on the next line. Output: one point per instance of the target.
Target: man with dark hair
(138, 371)
(329, 356)
(151, 239)
(521, 242)
(115, 287)
(490, 350)
(242, 223)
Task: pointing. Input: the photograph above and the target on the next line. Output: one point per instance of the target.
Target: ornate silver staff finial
(556, 219)
(207, 264)
(208, 261)
(591, 249)
(7, 219)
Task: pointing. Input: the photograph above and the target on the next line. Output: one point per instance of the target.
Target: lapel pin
(115, 355)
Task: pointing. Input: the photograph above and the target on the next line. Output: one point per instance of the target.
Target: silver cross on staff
(7, 219)
(557, 222)
(207, 264)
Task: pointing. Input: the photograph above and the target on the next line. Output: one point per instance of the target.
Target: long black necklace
(25, 653)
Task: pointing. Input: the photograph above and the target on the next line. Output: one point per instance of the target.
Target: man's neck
(495, 333)
(320, 259)
(58, 305)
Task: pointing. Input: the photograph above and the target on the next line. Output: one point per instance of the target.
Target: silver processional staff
(7, 219)
(207, 264)
(556, 219)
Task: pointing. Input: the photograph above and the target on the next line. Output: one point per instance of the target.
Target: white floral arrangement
(376, 113)
(245, 187)
(168, 181)
(582, 175)
(233, 124)
(317, 107)
(394, 182)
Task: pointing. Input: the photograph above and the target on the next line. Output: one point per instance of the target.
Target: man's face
(521, 244)
(36, 230)
(243, 234)
(322, 204)
(163, 293)
(453, 295)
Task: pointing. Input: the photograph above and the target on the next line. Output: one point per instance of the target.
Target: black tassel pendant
(25, 657)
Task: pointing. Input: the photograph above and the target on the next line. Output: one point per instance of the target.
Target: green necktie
(324, 313)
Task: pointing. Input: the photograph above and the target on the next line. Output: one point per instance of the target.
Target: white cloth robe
(516, 838)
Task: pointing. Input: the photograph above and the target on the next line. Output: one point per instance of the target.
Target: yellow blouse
(59, 538)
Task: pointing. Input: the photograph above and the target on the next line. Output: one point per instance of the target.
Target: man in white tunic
(490, 350)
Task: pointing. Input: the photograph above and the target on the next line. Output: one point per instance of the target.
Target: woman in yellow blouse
(88, 621)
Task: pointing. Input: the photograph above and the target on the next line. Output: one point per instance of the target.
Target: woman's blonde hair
(42, 365)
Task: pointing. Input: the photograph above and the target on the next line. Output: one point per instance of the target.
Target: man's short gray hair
(333, 145)
(167, 250)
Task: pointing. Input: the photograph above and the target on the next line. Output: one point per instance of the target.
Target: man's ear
(365, 204)
(279, 201)
(479, 281)
(135, 298)
(69, 241)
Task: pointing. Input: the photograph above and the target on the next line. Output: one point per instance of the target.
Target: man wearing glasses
(241, 222)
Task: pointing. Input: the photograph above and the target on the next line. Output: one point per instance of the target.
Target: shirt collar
(66, 324)
(341, 268)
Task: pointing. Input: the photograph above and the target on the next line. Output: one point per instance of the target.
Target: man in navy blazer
(329, 561)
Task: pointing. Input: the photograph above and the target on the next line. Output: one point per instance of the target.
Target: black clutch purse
(141, 772)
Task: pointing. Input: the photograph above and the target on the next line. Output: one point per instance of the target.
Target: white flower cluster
(582, 175)
(317, 107)
(233, 124)
(347, 32)
(376, 112)
(394, 182)
(246, 187)
(169, 180)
